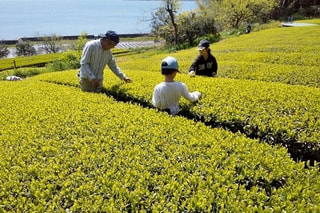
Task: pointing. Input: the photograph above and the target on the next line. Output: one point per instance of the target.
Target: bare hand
(127, 80)
(192, 73)
(95, 82)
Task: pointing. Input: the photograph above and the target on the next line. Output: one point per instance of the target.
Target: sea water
(30, 18)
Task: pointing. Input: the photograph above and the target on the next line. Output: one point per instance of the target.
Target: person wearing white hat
(205, 64)
(167, 94)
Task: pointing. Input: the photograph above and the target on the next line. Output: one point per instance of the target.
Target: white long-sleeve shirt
(166, 95)
(94, 59)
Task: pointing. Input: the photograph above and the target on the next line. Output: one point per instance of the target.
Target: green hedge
(42, 60)
(37, 60)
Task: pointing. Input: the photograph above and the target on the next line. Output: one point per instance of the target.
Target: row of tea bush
(66, 150)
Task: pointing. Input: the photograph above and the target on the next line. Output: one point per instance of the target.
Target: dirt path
(121, 45)
(297, 24)
(137, 44)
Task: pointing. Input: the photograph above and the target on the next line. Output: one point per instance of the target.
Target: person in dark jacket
(205, 64)
(248, 30)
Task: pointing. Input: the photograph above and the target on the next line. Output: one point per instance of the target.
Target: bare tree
(3, 50)
(171, 8)
(25, 48)
(51, 44)
(164, 21)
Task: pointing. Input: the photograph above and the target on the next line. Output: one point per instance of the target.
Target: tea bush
(273, 111)
(66, 150)
(36, 60)
(284, 55)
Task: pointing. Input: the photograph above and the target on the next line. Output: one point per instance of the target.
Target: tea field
(245, 146)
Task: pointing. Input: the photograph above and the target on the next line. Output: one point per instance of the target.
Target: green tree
(233, 13)
(289, 7)
(297, 3)
(82, 39)
(192, 26)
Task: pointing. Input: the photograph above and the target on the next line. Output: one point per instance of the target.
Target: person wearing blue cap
(95, 56)
(205, 64)
(167, 94)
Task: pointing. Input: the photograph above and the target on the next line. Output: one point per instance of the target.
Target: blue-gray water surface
(30, 18)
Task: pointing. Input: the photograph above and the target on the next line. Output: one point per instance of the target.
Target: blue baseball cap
(112, 35)
(168, 65)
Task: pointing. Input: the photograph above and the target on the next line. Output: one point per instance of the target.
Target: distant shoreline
(73, 37)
